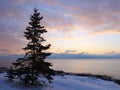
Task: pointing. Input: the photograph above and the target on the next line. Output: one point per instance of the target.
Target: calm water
(109, 67)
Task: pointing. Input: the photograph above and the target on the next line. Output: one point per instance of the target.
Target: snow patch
(66, 82)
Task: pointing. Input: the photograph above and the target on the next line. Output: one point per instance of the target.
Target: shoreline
(62, 73)
(103, 77)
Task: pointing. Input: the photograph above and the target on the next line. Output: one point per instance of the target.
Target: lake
(110, 67)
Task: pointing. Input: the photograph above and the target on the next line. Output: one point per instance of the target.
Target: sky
(85, 27)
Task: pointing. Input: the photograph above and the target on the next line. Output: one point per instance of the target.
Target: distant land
(68, 56)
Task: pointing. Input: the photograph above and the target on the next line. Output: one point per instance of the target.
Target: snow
(66, 82)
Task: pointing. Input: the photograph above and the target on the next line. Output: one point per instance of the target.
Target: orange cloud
(106, 31)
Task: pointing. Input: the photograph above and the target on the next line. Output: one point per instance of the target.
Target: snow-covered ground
(67, 82)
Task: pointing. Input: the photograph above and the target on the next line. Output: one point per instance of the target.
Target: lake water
(110, 67)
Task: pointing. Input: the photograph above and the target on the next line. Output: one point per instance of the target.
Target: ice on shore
(66, 82)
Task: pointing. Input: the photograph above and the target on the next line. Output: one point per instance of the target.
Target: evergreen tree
(32, 66)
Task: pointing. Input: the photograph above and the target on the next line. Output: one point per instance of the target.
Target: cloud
(82, 53)
(63, 16)
(11, 38)
(4, 52)
(112, 52)
(66, 20)
(83, 56)
(70, 51)
(59, 16)
(94, 16)
(105, 31)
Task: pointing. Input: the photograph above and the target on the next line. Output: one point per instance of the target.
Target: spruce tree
(32, 66)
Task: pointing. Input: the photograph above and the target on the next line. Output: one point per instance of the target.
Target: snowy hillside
(67, 82)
